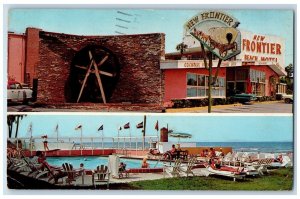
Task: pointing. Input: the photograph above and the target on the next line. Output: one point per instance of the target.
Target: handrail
(130, 143)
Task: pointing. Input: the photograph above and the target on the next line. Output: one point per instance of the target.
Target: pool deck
(85, 181)
(92, 152)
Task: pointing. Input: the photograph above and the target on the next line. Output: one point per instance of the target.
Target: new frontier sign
(217, 31)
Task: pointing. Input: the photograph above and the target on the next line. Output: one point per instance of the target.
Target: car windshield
(15, 86)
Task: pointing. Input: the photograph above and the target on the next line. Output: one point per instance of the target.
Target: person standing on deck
(45, 142)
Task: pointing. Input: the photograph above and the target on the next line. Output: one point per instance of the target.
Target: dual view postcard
(150, 99)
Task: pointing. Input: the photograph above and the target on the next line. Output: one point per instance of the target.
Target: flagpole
(81, 140)
(57, 136)
(124, 142)
(144, 132)
(130, 138)
(30, 128)
(102, 142)
(118, 137)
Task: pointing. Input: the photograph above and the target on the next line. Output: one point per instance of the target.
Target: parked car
(244, 98)
(288, 98)
(17, 93)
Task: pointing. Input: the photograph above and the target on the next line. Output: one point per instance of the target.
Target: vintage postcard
(150, 152)
(146, 60)
(150, 99)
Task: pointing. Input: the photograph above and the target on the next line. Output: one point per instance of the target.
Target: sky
(203, 128)
(168, 21)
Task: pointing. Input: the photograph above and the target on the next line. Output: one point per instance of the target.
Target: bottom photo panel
(150, 152)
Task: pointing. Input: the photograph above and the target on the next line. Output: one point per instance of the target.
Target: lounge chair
(228, 171)
(102, 175)
(53, 173)
(30, 165)
(72, 174)
(286, 162)
(250, 169)
(173, 170)
(262, 165)
(154, 154)
(122, 171)
(228, 159)
(187, 169)
(15, 163)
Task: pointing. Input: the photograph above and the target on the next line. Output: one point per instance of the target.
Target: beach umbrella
(180, 135)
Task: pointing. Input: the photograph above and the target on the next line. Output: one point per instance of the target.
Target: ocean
(265, 147)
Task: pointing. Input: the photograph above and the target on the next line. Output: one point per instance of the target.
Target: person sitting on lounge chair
(54, 173)
(41, 159)
(279, 159)
(221, 153)
(212, 153)
(154, 151)
(122, 167)
(172, 154)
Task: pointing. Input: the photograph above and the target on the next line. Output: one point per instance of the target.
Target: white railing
(92, 143)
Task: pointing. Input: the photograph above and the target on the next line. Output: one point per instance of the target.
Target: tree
(181, 47)
(11, 120)
(289, 79)
(289, 70)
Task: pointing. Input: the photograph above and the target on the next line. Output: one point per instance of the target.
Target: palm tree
(289, 70)
(289, 78)
(11, 119)
(181, 47)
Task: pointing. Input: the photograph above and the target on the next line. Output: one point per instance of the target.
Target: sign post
(218, 33)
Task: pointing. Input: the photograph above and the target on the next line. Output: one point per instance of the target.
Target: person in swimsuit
(145, 164)
(45, 142)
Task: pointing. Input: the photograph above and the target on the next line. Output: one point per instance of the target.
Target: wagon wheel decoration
(100, 62)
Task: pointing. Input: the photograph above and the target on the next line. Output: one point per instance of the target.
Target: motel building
(157, 78)
(256, 70)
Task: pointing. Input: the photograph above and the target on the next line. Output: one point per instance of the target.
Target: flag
(156, 125)
(100, 128)
(139, 125)
(127, 126)
(78, 127)
(120, 128)
(56, 128)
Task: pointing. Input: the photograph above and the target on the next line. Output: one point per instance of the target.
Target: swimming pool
(91, 162)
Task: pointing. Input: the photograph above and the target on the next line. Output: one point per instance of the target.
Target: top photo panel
(150, 60)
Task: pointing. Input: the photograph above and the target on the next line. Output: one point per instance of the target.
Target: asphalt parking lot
(257, 107)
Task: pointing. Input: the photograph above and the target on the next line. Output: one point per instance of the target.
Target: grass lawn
(276, 180)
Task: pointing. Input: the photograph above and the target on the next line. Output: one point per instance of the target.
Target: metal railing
(86, 143)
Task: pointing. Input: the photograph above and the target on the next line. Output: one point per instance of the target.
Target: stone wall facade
(140, 78)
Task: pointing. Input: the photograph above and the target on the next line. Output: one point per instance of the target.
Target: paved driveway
(258, 107)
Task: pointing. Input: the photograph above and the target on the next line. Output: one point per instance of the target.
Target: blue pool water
(91, 162)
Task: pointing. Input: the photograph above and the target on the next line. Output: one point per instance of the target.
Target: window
(258, 80)
(201, 80)
(257, 76)
(192, 92)
(197, 86)
(191, 79)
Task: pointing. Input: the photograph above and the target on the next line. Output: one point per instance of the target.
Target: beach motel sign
(217, 32)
